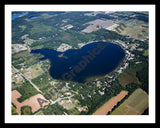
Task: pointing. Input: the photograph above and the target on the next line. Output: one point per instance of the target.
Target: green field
(14, 111)
(26, 110)
(33, 71)
(138, 100)
(146, 52)
(135, 29)
(129, 76)
(136, 103)
(124, 109)
(40, 28)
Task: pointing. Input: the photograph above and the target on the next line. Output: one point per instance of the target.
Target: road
(53, 102)
(28, 80)
(32, 83)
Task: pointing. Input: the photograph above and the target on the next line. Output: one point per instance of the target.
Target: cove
(30, 17)
(94, 59)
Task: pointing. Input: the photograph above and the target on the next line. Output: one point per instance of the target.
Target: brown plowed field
(32, 101)
(109, 105)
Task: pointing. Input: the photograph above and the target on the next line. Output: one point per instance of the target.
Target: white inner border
(79, 118)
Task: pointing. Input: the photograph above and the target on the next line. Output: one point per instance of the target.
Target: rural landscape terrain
(123, 91)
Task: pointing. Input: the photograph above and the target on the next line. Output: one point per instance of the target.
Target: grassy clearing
(124, 110)
(40, 28)
(146, 52)
(128, 77)
(138, 100)
(20, 54)
(33, 71)
(137, 32)
(26, 110)
(43, 81)
(135, 29)
(23, 27)
(38, 47)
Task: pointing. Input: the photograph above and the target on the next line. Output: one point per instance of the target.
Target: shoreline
(97, 77)
(123, 61)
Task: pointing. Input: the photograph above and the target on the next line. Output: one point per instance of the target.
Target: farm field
(97, 24)
(129, 76)
(33, 71)
(109, 105)
(35, 102)
(135, 29)
(136, 104)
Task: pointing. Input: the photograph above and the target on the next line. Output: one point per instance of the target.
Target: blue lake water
(30, 17)
(18, 15)
(14, 16)
(94, 59)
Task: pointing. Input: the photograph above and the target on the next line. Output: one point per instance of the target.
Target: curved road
(53, 102)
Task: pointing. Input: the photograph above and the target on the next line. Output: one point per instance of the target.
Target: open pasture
(136, 104)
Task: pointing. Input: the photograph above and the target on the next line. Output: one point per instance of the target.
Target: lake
(17, 15)
(30, 17)
(14, 16)
(94, 59)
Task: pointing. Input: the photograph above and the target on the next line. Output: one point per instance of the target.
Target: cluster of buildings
(63, 47)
